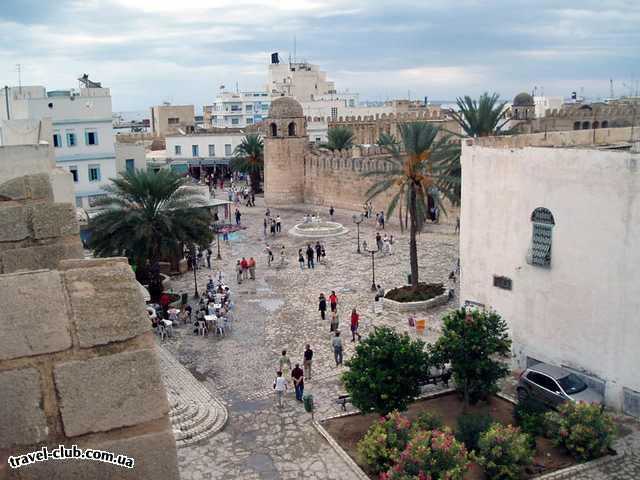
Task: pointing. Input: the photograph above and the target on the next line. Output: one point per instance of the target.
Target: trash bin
(307, 400)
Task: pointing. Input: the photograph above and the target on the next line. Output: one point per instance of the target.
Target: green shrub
(433, 455)
(381, 446)
(470, 427)
(529, 416)
(427, 421)
(504, 451)
(584, 429)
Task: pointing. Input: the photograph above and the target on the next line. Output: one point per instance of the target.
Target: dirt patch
(425, 291)
(347, 431)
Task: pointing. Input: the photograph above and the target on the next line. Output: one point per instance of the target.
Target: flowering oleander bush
(426, 421)
(584, 429)
(504, 451)
(431, 455)
(383, 443)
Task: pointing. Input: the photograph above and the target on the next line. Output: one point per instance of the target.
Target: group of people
(274, 225)
(216, 303)
(313, 254)
(336, 341)
(298, 375)
(245, 269)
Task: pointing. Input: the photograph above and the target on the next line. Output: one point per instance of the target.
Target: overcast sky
(149, 51)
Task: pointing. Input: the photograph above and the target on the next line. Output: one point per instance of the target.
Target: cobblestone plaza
(279, 311)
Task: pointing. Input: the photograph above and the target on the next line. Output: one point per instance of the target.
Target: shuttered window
(540, 251)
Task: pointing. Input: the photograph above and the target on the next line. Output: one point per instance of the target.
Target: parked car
(553, 385)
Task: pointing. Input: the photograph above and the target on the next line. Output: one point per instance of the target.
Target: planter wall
(415, 306)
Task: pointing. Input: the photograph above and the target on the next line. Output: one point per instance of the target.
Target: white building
(208, 150)
(542, 104)
(82, 138)
(550, 239)
(237, 110)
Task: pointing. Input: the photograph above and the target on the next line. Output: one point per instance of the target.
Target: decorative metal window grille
(540, 252)
(502, 282)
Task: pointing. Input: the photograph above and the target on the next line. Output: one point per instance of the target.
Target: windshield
(572, 384)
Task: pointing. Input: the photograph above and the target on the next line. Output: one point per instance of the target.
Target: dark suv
(553, 385)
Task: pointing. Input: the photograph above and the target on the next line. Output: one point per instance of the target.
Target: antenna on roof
(18, 69)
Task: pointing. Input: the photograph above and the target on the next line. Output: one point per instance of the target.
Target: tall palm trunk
(255, 180)
(413, 232)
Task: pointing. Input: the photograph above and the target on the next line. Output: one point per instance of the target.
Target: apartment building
(236, 109)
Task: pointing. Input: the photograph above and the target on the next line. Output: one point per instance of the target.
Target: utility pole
(6, 99)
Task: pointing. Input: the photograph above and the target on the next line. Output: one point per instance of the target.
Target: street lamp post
(373, 269)
(194, 262)
(357, 219)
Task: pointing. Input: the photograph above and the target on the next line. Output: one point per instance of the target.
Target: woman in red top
(355, 318)
(333, 300)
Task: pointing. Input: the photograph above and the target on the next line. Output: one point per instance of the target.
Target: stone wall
(77, 358)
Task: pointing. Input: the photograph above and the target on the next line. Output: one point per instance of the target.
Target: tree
(385, 372)
(249, 158)
(146, 215)
(419, 167)
(476, 343)
(339, 138)
(483, 117)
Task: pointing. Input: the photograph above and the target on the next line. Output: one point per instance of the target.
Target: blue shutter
(95, 137)
(86, 138)
(98, 171)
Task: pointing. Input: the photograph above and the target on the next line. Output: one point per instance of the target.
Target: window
(334, 112)
(265, 107)
(572, 384)
(177, 149)
(57, 142)
(212, 150)
(227, 150)
(274, 130)
(543, 381)
(92, 199)
(540, 251)
(71, 139)
(173, 120)
(94, 173)
(129, 164)
(249, 108)
(292, 129)
(74, 172)
(235, 121)
(249, 121)
(91, 137)
(195, 151)
(79, 202)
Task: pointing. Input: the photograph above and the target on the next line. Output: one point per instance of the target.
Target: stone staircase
(195, 413)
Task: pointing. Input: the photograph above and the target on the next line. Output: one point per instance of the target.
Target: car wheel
(523, 395)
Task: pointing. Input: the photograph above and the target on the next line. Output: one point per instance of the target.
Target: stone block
(107, 304)
(34, 318)
(91, 262)
(631, 402)
(53, 220)
(39, 256)
(22, 420)
(14, 223)
(154, 454)
(34, 187)
(108, 392)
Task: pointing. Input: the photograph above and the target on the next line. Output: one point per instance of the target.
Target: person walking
(322, 305)
(264, 228)
(378, 241)
(239, 272)
(333, 325)
(333, 300)
(269, 253)
(310, 257)
(301, 259)
(238, 215)
(273, 227)
(336, 343)
(355, 321)
(284, 361)
(308, 359)
(283, 254)
(382, 220)
(252, 268)
(318, 251)
(245, 268)
(278, 224)
(331, 212)
(297, 374)
(280, 386)
(209, 258)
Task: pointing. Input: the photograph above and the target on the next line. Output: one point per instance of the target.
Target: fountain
(313, 226)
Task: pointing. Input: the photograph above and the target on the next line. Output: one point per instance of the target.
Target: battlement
(356, 159)
(598, 111)
(433, 115)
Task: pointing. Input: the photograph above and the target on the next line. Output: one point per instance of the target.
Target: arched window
(605, 124)
(576, 126)
(274, 130)
(292, 129)
(540, 252)
(585, 125)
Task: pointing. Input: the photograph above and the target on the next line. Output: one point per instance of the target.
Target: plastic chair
(162, 331)
(202, 329)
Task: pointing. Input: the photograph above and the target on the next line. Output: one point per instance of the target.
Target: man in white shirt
(280, 386)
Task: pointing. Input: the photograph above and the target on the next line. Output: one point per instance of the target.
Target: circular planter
(318, 230)
(416, 306)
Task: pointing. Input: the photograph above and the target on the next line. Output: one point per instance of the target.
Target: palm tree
(483, 117)
(339, 138)
(249, 158)
(145, 216)
(415, 172)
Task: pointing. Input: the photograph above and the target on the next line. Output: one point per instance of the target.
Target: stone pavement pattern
(279, 310)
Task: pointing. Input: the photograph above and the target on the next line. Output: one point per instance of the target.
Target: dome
(523, 100)
(285, 107)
